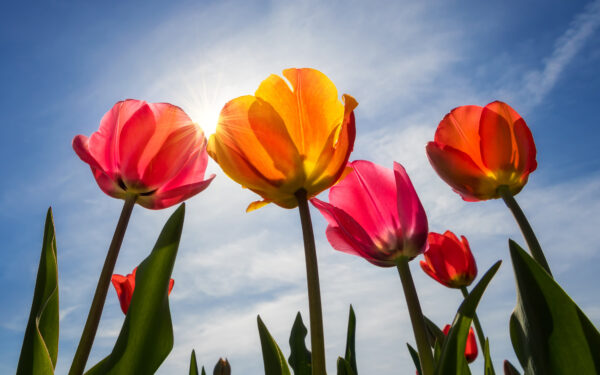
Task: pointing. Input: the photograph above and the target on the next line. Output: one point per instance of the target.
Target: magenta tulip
(375, 213)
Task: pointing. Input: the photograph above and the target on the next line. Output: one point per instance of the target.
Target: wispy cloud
(539, 82)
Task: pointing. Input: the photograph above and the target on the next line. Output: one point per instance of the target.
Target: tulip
(290, 136)
(449, 260)
(375, 213)
(487, 153)
(124, 286)
(146, 153)
(151, 150)
(222, 367)
(476, 150)
(471, 347)
(287, 143)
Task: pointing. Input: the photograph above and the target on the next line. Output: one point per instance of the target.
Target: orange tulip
(478, 149)
(289, 136)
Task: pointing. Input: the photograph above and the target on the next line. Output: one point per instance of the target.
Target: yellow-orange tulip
(289, 136)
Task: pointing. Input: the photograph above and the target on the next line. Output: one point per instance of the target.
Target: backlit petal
(460, 129)
(497, 150)
(133, 139)
(460, 172)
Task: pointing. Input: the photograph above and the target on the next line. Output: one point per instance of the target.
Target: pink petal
(133, 141)
(169, 198)
(411, 214)
(368, 195)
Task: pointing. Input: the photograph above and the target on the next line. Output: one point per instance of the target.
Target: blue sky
(65, 64)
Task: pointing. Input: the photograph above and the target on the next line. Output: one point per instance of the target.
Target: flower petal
(132, 142)
(526, 148)
(411, 214)
(368, 195)
(497, 150)
(310, 109)
(460, 129)
(336, 152)
(460, 172)
(160, 200)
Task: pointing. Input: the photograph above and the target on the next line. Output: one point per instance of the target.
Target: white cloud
(538, 83)
(232, 265)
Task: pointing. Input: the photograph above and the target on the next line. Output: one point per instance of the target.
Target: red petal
(460, 172)
(497, 150)
(460, 130)
(133, 141)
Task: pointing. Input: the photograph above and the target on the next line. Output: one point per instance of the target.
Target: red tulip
(478, 149)
(471, 347)
(449, 260)
(375, 213)
(124, 286)
(153, 150)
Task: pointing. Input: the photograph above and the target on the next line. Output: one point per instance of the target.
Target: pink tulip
(375, 213)
(153, 150)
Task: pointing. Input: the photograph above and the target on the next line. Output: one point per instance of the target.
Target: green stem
(476, 322)
(416, 317)
(532, 242)
(91, 325)
(317, 338)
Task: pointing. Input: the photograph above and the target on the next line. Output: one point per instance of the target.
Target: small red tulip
(124, 286)
(478, 149)
(471, 347)
(153, 150)
(449, 260)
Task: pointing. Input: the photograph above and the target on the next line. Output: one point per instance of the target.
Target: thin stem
(476, 322)
(416, 317)
(91, 325)
(532, 242)
(314, 293)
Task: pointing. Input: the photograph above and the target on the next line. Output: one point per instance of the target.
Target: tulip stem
(317, 338)
(532, 242)
(91, 325)
(416, 317)
(476, 323)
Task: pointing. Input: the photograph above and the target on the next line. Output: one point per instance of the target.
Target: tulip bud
(222, 367)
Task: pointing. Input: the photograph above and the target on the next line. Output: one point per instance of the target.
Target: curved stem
(93, 319)
(476, 322)
(534, 246)
(416, 317)
(317, 338)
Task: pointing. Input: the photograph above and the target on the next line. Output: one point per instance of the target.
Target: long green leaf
(550, 334)
(488, 367)
(344, 367)
(300, 356)
(452, 359)
(434, 333)
(509, 369)
(193, 364)
(146, 337)
(40, 343)
(350, 355)
(415, 357)
(273, 358)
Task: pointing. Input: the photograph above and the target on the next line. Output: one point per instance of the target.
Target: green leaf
(452, 359)
(344, 367)
(509, 369)
(488, 367)
(434, 333)
(415, 357)
(203, 371)
(550, 334)
(146, 337)
(350, 356)
(40, 343)
(273, 358)
(300, 355)
(193, 364)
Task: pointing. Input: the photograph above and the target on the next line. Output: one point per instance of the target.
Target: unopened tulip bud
(222, 367)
